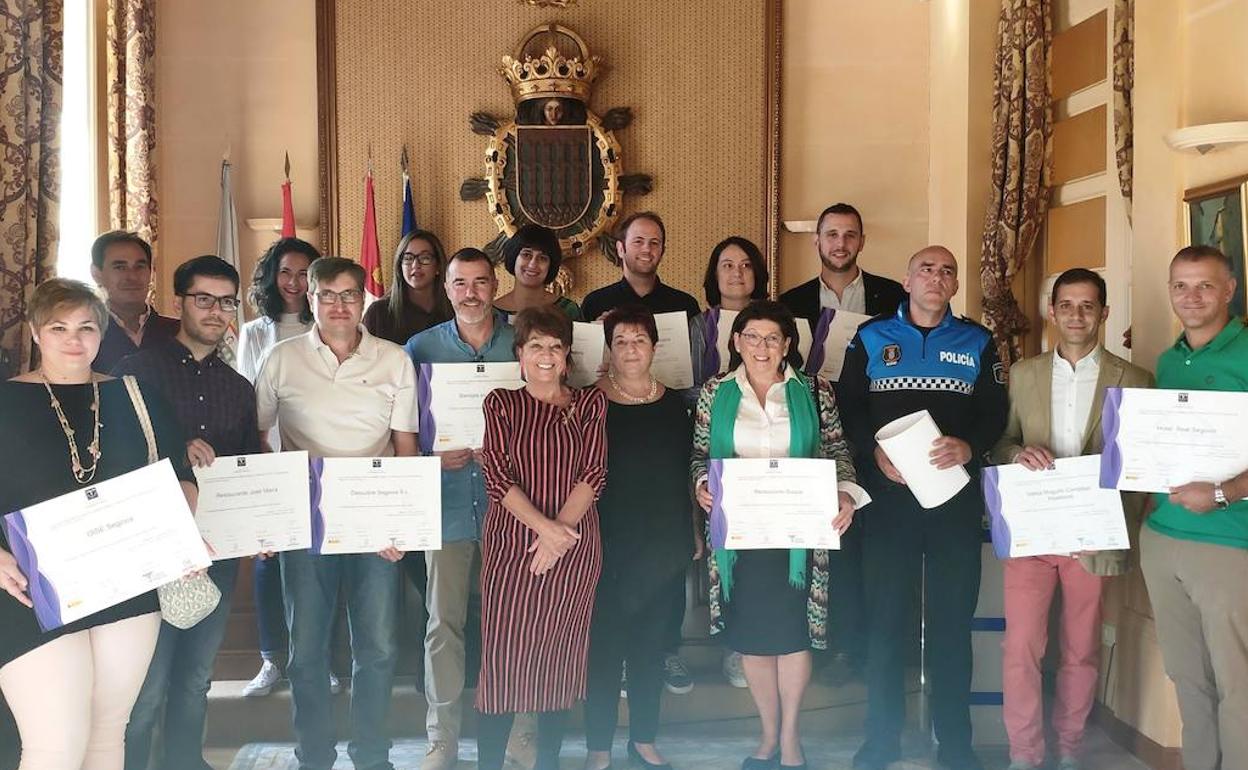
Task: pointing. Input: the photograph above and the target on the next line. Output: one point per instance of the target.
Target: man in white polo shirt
(338, 391)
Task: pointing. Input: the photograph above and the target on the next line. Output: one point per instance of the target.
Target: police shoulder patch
(998, 373)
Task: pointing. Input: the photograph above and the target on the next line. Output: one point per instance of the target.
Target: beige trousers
(71, 698)
(1200, 604)
(453, 573)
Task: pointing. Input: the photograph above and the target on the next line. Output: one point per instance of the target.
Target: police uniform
(893, 368)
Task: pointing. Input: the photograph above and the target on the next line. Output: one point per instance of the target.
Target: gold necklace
(654, 388)
(82, 475)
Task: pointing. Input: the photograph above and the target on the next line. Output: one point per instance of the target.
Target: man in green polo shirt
(1194, 549)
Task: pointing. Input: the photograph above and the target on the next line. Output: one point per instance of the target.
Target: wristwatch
(1219, 497)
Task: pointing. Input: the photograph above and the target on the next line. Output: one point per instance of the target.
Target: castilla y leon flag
(288, 205)
(370, 251)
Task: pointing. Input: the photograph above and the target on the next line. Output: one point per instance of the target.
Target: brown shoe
(441, 755)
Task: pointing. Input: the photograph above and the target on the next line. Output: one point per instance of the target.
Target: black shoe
(958, 758)
(636, 756)
(870, 756)
(754, 763)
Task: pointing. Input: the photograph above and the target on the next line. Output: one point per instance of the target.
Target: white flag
(227, 249)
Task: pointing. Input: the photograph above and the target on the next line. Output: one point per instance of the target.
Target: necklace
(82, 475)
(654, 388)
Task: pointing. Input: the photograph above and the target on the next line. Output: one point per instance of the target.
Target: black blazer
(884, 295)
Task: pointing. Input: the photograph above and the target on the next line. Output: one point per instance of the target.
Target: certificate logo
(376, 463)
(1182, 398)
(93, 494)
(480, 368)
(891, 354)
(240, 462)
(773, 464)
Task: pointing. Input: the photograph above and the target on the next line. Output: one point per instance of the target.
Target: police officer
(922, 357)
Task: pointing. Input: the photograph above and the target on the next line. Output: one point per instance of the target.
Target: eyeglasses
(348, 297)
(424, 260)
(206, 301)
(753, 339)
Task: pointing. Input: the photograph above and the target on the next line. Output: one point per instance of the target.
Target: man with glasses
(921, 356)
(338, 391)
(216, 408)
(121, 265)
(478, 332)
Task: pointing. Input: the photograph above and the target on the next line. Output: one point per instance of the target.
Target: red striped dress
(535, 630)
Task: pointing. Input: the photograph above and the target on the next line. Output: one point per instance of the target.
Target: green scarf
(803, 442)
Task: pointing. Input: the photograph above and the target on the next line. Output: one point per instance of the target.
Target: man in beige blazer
(1055, 411)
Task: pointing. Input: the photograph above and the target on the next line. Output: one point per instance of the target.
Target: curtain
(30, 171)
(132, 117)
(1124, 82)
(1021, 131)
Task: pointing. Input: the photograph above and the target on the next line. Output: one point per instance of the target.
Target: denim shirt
(463, 491)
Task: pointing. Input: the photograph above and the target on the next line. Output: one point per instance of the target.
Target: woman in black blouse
(648, 539)
(71, 690)
(417, 296)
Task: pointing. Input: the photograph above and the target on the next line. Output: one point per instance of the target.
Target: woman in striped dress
(545, 464)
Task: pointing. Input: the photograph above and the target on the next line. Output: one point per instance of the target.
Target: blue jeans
(177, 683)
(310, 586)
(270, 617)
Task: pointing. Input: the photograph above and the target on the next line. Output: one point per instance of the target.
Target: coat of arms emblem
(556, 163)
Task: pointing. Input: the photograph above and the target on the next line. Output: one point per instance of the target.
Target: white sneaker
(262, 684)
(734, 672)
(335, 686)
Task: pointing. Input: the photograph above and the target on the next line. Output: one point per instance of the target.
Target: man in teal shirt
(1194, 548)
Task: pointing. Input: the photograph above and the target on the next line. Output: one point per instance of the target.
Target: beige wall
(236, 74)
(855, 127)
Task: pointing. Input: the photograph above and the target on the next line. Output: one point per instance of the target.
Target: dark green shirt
(1220, 365)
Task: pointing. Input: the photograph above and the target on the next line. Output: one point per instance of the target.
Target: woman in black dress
(648, 539)
(71, 690)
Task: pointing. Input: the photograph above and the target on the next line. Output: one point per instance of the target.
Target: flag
(409, 211)
(227, 249)
(370, 251)
(288, 205)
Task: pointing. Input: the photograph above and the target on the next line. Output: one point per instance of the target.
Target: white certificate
(253, 503)
(95, 547)
(368, 504)
(1158, 439)
(908, 443)
(589, 350)
(1052, 512)
(449, 398)
(787, 502)
(832, 335)
(723, 333)
(673, 364)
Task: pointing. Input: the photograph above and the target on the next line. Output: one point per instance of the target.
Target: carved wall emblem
(556, 163)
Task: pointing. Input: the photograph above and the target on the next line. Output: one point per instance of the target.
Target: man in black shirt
(121, 265)
(217, 409)
(639, 243)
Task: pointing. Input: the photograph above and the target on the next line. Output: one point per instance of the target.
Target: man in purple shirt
(121, 265)
(217, 409)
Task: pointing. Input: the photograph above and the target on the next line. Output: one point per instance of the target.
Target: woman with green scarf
(771, 605)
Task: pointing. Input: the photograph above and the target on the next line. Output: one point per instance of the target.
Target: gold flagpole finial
(403, 160)
(288, 166)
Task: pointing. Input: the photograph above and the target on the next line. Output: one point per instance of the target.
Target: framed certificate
(254, 503)
(98, 546)
(368, 504)
(786, 502)
(449, 398)
(1053, 512)
(1159, 439)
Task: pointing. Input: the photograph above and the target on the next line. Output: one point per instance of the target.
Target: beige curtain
(1124, 82)
(1022, 126)
(132, 117)
(30, 170)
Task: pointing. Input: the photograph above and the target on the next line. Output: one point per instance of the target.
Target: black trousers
(901, 540)
(847, 622)
(674, 600)
(493, 730)
(638, 637)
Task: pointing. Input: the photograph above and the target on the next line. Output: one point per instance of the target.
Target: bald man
(922, 357)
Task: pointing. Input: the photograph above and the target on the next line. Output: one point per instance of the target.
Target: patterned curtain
(1022, 126)
(1124, 82)
(30, 169)
(132, 116)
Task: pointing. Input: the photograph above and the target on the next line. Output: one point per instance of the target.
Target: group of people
(579, 516)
